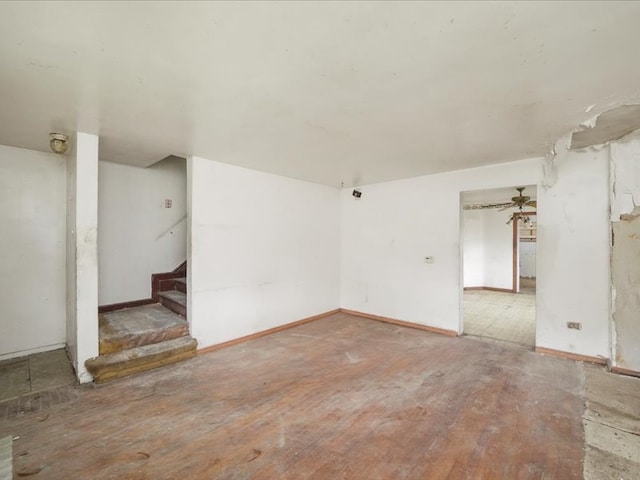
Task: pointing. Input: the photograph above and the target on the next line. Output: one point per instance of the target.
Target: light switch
(429, 259)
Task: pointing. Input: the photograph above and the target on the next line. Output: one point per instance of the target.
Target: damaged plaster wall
(625, 253)
(608, 126)
(573, 252)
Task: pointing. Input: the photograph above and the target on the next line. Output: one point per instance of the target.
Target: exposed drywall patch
(624, 175)
(625, 274)
(610, 125)
(590, 123)
(573, 257)
(630, 217)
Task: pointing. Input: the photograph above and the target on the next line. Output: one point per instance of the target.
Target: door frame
(516, 248)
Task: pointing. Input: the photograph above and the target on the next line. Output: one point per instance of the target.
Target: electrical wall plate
(429, 259)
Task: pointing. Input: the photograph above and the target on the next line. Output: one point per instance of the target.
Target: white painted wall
(498, 249)
(573, 273)
(264, 250)
(473, 248)
(138, 236)
(487, 249)
(387, 233)
(82, 252)
(32, 251)
(528, 259)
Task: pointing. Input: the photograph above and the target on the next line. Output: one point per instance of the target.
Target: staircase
(151, 334)
(173, 295)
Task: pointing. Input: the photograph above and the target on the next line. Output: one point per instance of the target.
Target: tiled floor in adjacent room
(503, 316)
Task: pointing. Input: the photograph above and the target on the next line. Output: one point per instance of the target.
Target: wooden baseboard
(624, 371)
(492, 289)
(236, 341)
(402, 323)
(571, 356)
(129, 304)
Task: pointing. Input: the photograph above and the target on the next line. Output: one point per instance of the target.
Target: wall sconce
(58, 142)
(357, 193)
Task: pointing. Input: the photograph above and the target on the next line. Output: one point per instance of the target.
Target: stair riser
(166, 285)
(125, 372)
(139, 340)
(180, 286)
(174, 306)
(163, 282)
(103, 372)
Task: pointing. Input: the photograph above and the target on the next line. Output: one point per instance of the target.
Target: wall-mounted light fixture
(357, 193)
(58, 142)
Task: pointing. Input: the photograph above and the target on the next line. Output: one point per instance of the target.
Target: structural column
(82, 252)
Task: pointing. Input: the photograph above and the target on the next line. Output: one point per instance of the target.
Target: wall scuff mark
(549, 169)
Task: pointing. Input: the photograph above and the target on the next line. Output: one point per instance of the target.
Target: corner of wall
(82, 253)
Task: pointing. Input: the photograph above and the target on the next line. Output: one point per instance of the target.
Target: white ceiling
(328, 92)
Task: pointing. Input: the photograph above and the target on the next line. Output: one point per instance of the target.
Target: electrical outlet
(574, 325)
(167, 203)
(429, 259)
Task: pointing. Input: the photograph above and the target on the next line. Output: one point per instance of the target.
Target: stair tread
(181, 280)
(176, 296)
(127, 323)
(146, 357)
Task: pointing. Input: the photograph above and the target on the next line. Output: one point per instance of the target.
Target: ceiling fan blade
(484, 206)
(532, 203)
(510, 205)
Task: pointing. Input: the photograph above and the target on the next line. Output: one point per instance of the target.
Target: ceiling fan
(519, 201)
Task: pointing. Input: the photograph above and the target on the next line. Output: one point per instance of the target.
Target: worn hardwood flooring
(341, 397)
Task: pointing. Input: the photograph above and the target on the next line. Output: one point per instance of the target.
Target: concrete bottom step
(140, 359)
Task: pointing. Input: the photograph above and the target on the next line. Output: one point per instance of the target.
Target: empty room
(319, 240)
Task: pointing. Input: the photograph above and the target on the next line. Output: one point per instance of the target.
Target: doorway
(524, 253)
(499, 234)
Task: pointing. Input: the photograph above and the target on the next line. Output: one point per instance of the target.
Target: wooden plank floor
(341, 397)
